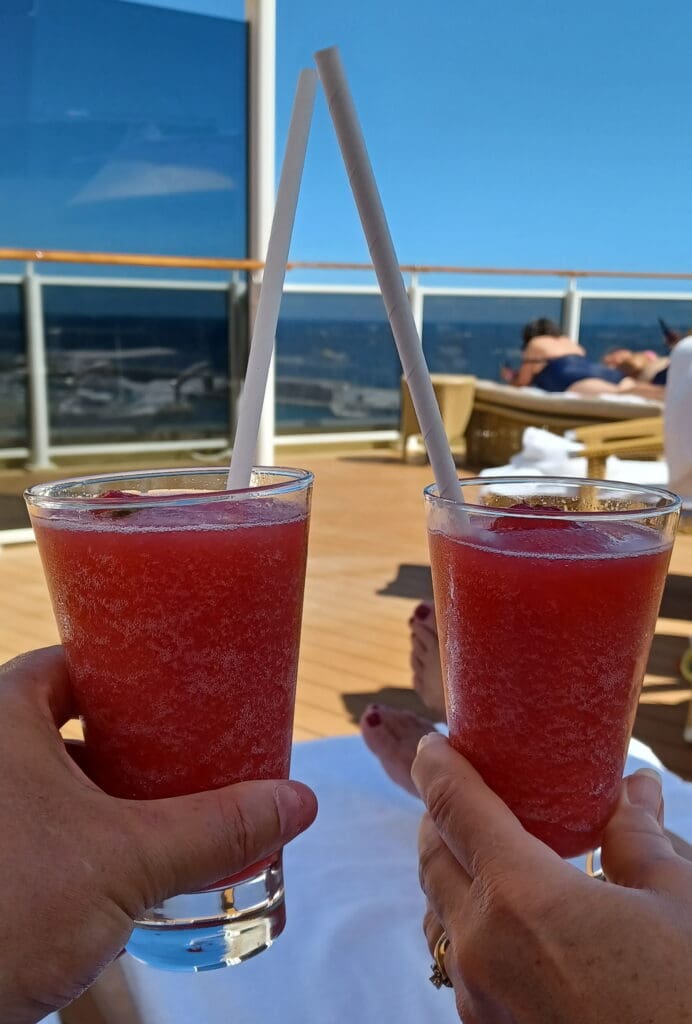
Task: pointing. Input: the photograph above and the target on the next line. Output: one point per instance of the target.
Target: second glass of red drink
(546, 595)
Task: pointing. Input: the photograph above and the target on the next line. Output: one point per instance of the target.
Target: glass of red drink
(179, 606)
(546, 595)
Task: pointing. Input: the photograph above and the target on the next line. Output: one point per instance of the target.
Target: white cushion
(600, 407)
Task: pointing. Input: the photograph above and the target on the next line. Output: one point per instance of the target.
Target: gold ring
(439, 976)
(592, 870)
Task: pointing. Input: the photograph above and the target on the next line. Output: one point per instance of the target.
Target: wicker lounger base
(495, 429)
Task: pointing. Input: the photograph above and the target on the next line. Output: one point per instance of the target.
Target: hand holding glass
(546, 593)
(179, 606)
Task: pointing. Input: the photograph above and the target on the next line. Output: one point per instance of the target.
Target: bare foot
(393, 735)
(425, 659)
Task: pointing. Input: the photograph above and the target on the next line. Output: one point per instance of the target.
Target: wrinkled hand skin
(76, 866)
(532, 939)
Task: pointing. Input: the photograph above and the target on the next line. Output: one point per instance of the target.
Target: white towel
(353, 947)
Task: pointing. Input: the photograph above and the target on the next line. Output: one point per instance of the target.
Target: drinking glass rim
(673, 501)
(44, 495)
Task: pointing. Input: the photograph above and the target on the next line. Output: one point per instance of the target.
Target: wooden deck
(367, 570)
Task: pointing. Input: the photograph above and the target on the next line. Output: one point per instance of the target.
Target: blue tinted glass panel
(136, 364)
(477, 334)
(13, 404)
(631, 323)
(127, 125)
(336, 364)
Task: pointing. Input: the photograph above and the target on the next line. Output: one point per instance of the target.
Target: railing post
(35, 340)
(415, 297)
(237, 347)
(261, 18)
(571, 311)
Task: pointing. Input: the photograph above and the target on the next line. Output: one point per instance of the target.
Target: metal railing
(41, 449)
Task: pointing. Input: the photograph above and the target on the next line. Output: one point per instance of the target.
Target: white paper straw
(269, 302)
(367, 197)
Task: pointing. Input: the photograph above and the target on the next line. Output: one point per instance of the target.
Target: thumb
(636, 851)
(189, 842)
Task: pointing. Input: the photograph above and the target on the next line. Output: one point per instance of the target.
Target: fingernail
(430, 737)
(373, 718)
(422, 611)
(644, 789)
(290, 808)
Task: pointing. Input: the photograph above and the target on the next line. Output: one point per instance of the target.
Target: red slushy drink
(181, 629)
(179, 607)
(545, 621)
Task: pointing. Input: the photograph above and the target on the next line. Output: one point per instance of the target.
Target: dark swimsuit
(661, 377)
(561, 373)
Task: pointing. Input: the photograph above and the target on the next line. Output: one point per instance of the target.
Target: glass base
(203, 931)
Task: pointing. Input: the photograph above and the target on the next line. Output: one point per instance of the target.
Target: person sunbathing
(555, 363)
(393, 734)
(645, 367)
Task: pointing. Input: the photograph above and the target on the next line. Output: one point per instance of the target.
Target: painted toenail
(373, 718)
(422, 611)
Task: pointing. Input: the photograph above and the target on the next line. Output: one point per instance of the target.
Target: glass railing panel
(136, 364)
(477, 334)
(336, 364)
(13, 399)
(608, 323)
(128, 128)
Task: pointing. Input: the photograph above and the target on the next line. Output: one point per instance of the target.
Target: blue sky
(502, 134)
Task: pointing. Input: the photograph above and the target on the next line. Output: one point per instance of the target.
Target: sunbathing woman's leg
(594, 386)
(393, 735)
(425, 659)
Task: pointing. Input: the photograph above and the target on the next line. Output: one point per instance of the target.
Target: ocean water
(163, 373)
(355, 371)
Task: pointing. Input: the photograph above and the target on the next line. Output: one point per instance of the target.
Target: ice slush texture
(545, 627)
(181, 629)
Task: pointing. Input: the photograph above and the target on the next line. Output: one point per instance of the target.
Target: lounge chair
(670, 435)
(501, 414)
(454, 393)
(643, 437)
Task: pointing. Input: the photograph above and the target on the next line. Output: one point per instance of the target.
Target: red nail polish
(373, 718)
(422, 611)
